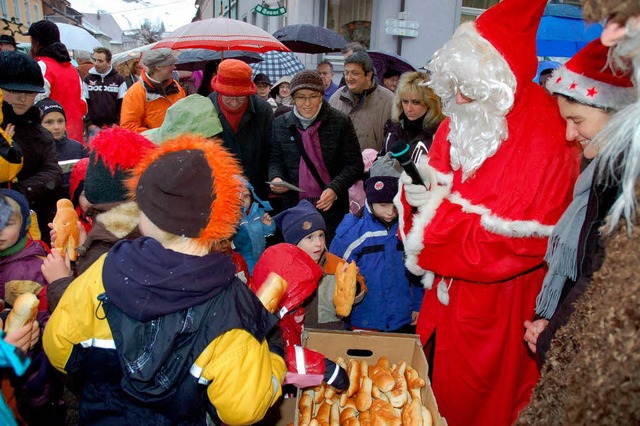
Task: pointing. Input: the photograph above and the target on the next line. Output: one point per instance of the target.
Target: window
(36, 13)
(27, 11)
(5, 9)
(471, 9)
(351, 18)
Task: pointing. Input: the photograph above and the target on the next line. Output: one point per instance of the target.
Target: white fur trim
(427, 280)
(501, 226)
(413, 243)
(589, 91)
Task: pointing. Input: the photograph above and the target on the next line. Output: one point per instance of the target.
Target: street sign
(401, 23)
(404, 32)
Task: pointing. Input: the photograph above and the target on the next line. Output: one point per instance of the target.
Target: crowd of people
(507, 242)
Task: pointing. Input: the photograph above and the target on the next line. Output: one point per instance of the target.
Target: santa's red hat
(587, 79)
(511, 27)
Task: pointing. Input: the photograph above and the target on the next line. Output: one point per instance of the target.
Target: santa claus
(499, 175)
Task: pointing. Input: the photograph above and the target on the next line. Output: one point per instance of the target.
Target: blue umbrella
(278, 64)
(563, 32)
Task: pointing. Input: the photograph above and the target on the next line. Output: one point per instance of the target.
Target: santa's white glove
(417, 195)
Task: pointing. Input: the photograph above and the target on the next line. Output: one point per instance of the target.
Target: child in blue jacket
(371, 239)
(255, 226)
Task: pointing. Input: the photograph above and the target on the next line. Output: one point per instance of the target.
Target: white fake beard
(475, 134)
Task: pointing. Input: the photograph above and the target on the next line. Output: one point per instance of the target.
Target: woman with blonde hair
(415, 115)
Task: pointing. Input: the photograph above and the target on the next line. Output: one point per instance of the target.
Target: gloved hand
(335, 375)
(417, 195)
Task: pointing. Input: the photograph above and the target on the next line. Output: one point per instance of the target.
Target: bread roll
(65, 223)
(363, 398)
(399, 394)
(382, 378)
(382, 414)
(353, 370)
(24, 311)
(365, 418)
(345, 291)
(413, 378)
(427, 419)
(304, 408)
(412, 414)
(271, 291)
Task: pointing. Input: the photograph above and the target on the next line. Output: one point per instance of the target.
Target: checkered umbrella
(278, 64)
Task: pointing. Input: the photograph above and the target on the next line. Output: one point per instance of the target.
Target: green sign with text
(267, 11)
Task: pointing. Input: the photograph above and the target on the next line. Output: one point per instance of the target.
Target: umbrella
(221, 34)
(196, 59)
(383, 61)
(307, 38)
(562, 31)
(121, 57)
(77, 38)
(278, 64)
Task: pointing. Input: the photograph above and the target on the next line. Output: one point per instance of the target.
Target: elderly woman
(416, 113)
(315, 148)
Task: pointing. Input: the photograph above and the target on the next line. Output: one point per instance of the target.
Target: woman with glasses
(40, 179)
(315, 148)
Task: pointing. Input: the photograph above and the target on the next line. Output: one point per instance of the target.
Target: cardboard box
(370, 346)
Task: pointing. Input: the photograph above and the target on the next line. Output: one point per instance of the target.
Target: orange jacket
(144, 107)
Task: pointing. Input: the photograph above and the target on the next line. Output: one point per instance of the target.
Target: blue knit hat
(25, 211)
(299, 221)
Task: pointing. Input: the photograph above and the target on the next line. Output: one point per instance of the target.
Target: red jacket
(62, 83)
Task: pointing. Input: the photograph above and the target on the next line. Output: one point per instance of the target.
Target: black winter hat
(20, 72)
(5, 38)
(114, 153)
(381, 189)
(262, 78)
(48, 105)
(45, 32)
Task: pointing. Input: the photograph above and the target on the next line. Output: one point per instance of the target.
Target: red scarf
(233, 116)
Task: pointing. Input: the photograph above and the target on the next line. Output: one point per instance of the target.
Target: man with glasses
(40, 179)
(146, 102)
(104, 90)
(367, 103)
(246, 120)
(325, 69)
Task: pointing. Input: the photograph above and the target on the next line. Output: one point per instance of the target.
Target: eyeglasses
(19, 94)
(304, 99)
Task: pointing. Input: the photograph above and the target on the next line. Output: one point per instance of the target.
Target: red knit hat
(233, 79)
(587, 79)
(511, 27)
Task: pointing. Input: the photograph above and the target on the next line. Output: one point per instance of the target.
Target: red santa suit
(481, 243)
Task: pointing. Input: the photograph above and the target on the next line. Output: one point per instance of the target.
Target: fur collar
(120, 220)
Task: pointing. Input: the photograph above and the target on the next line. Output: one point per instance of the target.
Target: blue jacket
(378, 252)
(250, 239)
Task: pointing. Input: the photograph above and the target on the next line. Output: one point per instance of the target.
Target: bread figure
(345, 292)
(65, 223)
(24, 311)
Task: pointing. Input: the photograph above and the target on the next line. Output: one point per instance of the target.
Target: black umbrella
(307, 38)
(196, 59)
(384, 61)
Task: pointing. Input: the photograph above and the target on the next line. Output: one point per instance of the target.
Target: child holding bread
(304, 227)
(370, 238)
(160, 327)
(39, 391)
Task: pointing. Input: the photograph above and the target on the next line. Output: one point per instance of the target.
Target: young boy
(160, 327)
(371, 239)
(38, 392)
(55, 121)
(304, 227)
(255, 226)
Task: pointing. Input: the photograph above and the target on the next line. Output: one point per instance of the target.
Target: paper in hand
(286, 185)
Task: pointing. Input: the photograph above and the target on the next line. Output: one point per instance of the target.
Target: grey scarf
(562, 249)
